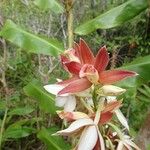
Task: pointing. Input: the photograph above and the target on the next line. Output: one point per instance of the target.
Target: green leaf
(53, 5)
(142, 67)
(23, 122)
(52, 142)
(21, 111)
(114, 17)
(20, 129)
(144, 92)
(46, 101)
(18, 132)
(29, 42)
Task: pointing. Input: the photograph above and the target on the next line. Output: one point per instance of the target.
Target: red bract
(87, 69)
(107, 113)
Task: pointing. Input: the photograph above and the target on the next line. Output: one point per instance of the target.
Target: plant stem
(94, 98)
(3, 127)
(69, 6)
(3, 80)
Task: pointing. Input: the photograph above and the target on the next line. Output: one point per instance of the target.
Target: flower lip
(90, 72)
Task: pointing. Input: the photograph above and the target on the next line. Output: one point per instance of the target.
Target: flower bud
(70, 116)
(71, 53)
(111, 90)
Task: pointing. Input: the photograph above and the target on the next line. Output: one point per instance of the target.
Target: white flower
(126, 141)
(68, 101)
(89, 128)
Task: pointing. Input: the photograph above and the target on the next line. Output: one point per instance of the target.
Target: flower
(126, 142)
(89, 133)
(68, 101)
(87, 69)
(88, 125)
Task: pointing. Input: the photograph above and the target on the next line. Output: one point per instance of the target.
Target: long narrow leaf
(29, 42)
(114, 17)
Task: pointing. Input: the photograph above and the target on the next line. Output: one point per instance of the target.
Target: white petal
(61, 100)
(88, 138)
(127, 146)
(70, 104)
(59, 80)
(53, 88)
(101, 140)
(122, 119)
(120, 146)
(111, 98)
(72, 115)
(126, 137)
(114, 133)
(85, 93)
(75, 126)
(90, 101)
(129, 142)
(79, 115)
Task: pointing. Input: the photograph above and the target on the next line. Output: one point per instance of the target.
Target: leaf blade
(46, 101)
(53, 5)
(114, 17)
(29, 42)
(52, 142)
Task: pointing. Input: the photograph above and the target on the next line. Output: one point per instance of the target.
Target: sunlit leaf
(30, 42)
(37, 92)
(114, 17)
(52, 142)
(53, 5)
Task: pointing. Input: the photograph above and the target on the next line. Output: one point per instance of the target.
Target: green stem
(3, 127)
(6, 90)
(69, 5)
(94, 98)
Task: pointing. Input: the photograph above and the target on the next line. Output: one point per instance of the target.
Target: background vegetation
(27, 116)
